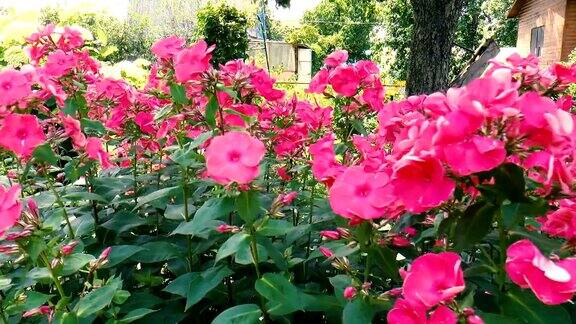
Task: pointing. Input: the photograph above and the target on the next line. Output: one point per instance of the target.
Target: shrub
(209, 195)
(225, 27)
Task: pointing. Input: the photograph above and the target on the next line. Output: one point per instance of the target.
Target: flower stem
(254, 251)
(61, 205)
(502, 242)
(311, 213)
(54, 277)
(135, 175)
(186, 213)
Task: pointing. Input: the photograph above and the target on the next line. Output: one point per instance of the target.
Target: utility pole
(262, 19)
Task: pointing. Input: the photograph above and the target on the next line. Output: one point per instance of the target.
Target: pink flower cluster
(431, 280)
(425, 146)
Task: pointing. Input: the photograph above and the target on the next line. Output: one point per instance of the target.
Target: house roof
(515, 9)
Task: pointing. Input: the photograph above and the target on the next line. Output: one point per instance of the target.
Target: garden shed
(546, 28)
(295, 61)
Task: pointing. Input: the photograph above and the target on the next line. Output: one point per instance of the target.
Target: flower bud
(224, 228)
(330, 235)
(42, 310)
(349, 292)
(366, 286)
(55, 263)
(287, 198)
(18, 235)
(104, 255)
(468, 311)
(344, 232)
(474, 319)
(394, 292)
(33, 207)
(400, 241)
(326, 252)
(12, 174)
(68, 248)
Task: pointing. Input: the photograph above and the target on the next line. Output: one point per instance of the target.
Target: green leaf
(44, 153)
(156, 252)
(211, 110)
(101, 36)
(178, 93)
(510, 181)
(35, 299)
(248, 206)
(163, 193)
(526, 308)
(74, 171)
(96, 300)
(275, 227)
(241, 314)
(340, 282)
(205, 219)
(69, 318)
(228, 90)
(195, 285)
(136, 315)
(232, 245)
(546, 244)
(35, 246)
(474, 224)
(119, 253)
(124, 221)
(107, 51)
(274, 252)
(75, 104)
(496, 318)
(185, 155)
(385, 259)
(244, 254)
(357, 312)
(514, 214)
(283, 297)
(359, 126)
(92, 127)
(83, 195)
(176, 212)
(75, 262)
(70, 106)
(120, 297)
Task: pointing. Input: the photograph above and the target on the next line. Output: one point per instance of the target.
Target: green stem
(134, 175)
(367, 266)
(254, 251)
(3, 317)
(54, 277)
(187, 213)
(502, 242)
(310, 220)
(61, 205)
(94, 203)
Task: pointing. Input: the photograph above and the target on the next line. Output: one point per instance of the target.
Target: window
(537, 40)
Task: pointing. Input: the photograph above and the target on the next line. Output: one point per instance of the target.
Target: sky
(119, 8)
(293, 14)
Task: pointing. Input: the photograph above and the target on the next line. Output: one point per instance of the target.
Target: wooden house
(546, 28)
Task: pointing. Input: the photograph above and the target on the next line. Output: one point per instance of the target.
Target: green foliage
(225, 27)
(337, 24)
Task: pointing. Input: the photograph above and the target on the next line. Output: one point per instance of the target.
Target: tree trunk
(435, 23)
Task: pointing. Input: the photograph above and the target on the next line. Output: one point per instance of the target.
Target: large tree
(479, 19)
(435, 23)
